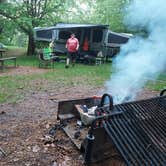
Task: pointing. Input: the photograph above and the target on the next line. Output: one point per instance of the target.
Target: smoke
(141, 58)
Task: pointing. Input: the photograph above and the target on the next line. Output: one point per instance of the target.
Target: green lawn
(15, 51)
(158, 84)
(15, 86)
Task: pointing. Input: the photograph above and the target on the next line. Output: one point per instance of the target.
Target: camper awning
(65, 26)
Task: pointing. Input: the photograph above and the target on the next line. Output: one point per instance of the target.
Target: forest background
(19, 17)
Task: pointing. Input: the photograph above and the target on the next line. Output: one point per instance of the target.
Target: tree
(110, 12)
(27, 14)
(79, 11)
(8, 29)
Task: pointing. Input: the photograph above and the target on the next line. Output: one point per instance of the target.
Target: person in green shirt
(51, 46)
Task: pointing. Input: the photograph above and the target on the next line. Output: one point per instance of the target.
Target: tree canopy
(24, 15)
(27, 14)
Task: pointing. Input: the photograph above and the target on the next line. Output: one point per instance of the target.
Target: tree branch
(8, 15)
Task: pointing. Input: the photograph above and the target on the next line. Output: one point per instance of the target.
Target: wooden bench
(1, 52)
(2, 61)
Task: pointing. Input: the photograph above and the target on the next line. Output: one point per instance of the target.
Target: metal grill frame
(138, 130)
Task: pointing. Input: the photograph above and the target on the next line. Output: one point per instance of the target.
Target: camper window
(112, 38)
(64, 35)
(46, 34)
(97, 35)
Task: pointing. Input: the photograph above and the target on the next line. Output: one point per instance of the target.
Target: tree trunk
(31, 45)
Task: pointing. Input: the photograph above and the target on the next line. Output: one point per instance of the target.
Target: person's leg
(74, 56)
(68, 60)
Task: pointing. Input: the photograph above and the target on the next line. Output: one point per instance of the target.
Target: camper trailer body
(100, 38)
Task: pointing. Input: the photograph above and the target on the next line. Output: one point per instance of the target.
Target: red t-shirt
(86, 45)
(72, 44)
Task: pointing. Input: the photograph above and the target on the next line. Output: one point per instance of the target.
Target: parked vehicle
(100, 38)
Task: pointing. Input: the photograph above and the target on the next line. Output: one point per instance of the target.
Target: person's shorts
(72, 55)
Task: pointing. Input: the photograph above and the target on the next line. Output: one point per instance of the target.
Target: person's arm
(67, 43)
(77, 44)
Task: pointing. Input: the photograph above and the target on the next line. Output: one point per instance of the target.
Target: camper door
(97, 40)
(63, 34)
(61, 37)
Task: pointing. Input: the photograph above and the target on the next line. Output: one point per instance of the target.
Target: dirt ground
(24, 126)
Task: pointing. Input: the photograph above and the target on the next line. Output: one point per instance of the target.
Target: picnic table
(1, 52)
(2, 61)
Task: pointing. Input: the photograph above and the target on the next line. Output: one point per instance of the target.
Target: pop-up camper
(100, 38)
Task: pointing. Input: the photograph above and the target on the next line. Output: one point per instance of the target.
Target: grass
(158, 84)
(27, 61)
(13, 88)
(15, 51)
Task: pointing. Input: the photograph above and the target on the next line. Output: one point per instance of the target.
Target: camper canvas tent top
(99, 36)
(49, 33)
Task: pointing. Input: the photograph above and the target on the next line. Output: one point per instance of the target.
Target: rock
(54, 163)
(66, 161)
(27, 164)
(47, 145)
(47, 139)
(2, 112)
(15, 159)
(29, 148)
(52, 145)
(45, 149)
(36, 148)
(47, 126)
(81, 157)
(77, 134)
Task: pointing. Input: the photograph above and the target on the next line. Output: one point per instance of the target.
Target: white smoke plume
(141, 58)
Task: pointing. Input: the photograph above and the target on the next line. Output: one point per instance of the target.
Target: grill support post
(90, 139)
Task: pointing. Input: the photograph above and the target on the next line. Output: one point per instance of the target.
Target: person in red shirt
(86, 45)
(72, 46)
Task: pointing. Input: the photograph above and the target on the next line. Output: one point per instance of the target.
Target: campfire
(132, 131)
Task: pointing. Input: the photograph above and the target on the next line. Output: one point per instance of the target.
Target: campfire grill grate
(139, 132)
